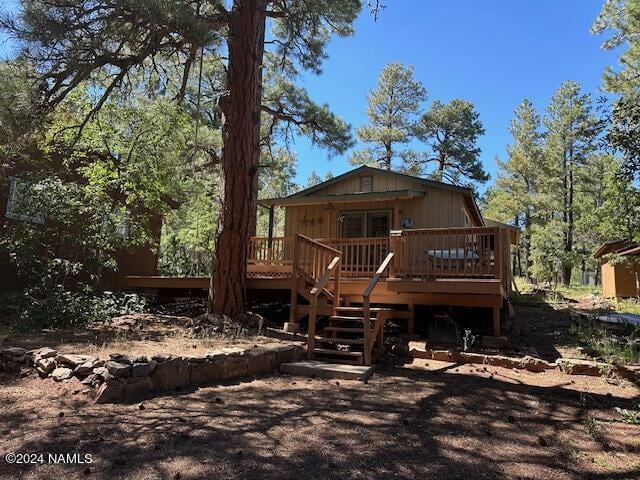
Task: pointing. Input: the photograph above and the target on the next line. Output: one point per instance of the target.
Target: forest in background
(99, 165)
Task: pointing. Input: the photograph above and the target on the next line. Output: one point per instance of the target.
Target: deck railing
(317, 263)
(360, 256)
(278, 251)
(475, 252)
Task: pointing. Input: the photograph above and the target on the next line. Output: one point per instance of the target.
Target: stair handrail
(332, 269)
(366, 307)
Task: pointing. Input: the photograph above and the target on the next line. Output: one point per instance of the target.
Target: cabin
(373, 248)
(373, 245)
(15, 193)
(620, 278)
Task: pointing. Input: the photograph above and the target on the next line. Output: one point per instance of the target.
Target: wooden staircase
(343, 340)
(354, 334)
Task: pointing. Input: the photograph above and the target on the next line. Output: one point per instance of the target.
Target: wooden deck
(462, 267)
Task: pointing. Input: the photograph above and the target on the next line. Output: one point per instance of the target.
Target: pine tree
(572, 131)
(621, 18)
(515, 193)
(451, 130)
(392, 109)
(313, 179)
(73, 41)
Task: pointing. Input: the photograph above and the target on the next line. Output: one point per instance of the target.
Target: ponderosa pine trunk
(568, 217)
(526, 240)
(240, 156)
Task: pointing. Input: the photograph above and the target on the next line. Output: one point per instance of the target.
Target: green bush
(65, 309)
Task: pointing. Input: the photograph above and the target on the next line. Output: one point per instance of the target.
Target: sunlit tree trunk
(240, 157)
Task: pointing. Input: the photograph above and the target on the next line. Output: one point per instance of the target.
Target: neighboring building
(14, 192)
(620, 278)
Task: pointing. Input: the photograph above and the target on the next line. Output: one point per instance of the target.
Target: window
(353, 225)
(366, 224)
(465, 218)
(117, 224)
(366, 184)
(24, 202)
(378, 224)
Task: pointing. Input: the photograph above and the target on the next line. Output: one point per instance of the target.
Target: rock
(92, 380)
(110, 391)
(260, 360)
(61, 373)
(85, 368)
(172, 374)
(44, 352)
(207, 373)
(581, 367)
(45, 365)
(501, 361)
(119, 358)
(143, 369)
(535, 365)
(444, 355)
(117, 369)
(286, 353)
(468, 357)
(13, 351)
(74, 360)
(235, 366)
(161, 357)
(102, 372)
(137, 387)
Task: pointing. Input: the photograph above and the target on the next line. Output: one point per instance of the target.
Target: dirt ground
(426, 420)
(137, 334)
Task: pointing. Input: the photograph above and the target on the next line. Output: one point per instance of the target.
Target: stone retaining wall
(124, 378)
(531, 364)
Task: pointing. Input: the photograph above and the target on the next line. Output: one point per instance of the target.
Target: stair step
(360, 309)
(344, 329)
(346, 319)
(340, 353)
(343, 341)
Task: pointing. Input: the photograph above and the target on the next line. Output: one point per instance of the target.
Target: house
(370, 247)
(15, 197)
(620, 277)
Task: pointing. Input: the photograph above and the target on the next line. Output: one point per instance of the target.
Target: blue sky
(491, 52)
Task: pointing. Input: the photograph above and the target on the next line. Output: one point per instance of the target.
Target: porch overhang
(345, 198)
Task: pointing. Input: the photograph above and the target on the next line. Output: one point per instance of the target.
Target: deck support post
(411, 318)
(496, 321)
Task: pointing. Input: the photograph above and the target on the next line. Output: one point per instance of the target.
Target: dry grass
(145, 334)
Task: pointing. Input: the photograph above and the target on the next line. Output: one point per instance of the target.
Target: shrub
(64, 308)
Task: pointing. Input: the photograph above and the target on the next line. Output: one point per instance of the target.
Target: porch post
(270, 234)
(292, 326)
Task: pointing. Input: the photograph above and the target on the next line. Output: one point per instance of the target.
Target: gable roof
(365, 169)
(620, 246)
(468, 193)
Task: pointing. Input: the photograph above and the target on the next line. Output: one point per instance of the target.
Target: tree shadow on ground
(405, 423)
(539, 328)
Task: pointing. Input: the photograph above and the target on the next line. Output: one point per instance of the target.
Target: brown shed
(620, 279)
